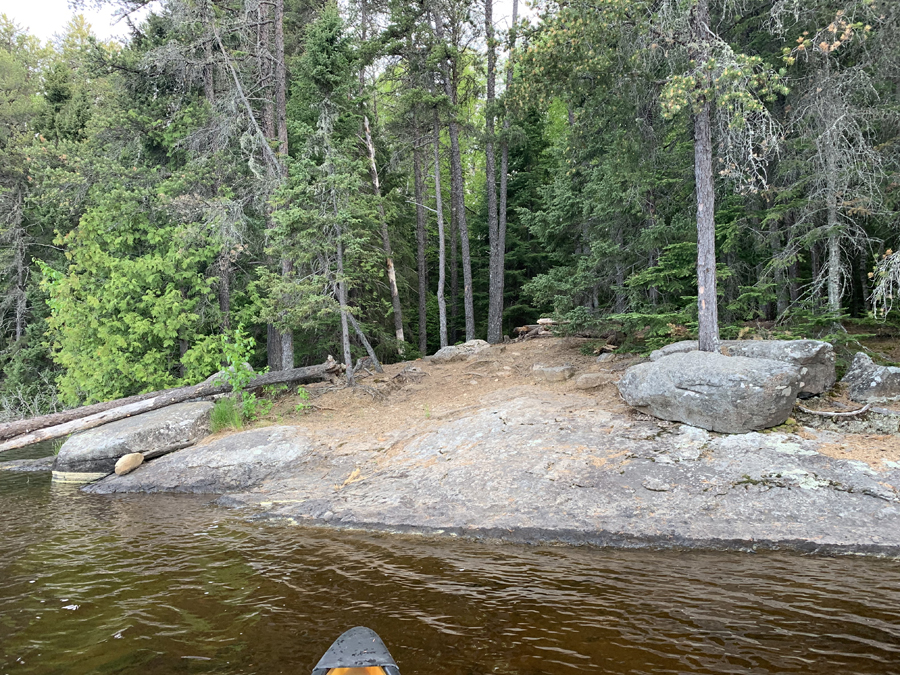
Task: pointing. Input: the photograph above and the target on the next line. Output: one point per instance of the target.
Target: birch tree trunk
(385, 238)
(457, 186)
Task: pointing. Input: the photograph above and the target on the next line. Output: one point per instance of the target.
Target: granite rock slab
(533, 465)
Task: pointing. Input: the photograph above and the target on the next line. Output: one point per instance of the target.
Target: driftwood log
(25, 432)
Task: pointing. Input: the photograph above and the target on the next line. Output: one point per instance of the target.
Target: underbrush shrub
(226, 414)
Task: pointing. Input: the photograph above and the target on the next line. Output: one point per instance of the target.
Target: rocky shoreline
(530, 444)
(536, 465)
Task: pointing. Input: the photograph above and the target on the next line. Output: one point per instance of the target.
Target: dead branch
(824, 413)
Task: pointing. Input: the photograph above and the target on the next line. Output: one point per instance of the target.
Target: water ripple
(160, 584)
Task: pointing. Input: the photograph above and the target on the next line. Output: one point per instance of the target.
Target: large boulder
(92, 454)
(231, 464)
(461, 352)
(730, 394)
(867, 382)
(814, 358)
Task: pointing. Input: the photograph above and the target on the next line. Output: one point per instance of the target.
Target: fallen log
(47, 427)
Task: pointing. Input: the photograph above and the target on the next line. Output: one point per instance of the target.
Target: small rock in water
(128, 463)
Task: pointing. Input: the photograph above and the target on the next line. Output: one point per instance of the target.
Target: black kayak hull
(359, 649)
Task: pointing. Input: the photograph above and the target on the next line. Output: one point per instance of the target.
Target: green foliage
(237, 347)
(304, 404)
(127, 305)
(140, 221)
(226, 414)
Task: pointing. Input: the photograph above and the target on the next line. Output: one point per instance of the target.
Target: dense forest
(289, 179)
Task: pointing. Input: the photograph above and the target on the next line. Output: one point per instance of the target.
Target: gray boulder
(94, 453)
(814, 358)
(867, 382)
(461, 352)
(730, 394)
(593, 380)
(552, 373)
(234, 463)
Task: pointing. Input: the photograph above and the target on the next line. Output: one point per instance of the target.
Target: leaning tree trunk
(342, 299)
(365, 341)
(442, 251)
(420, 246)
(385, 239)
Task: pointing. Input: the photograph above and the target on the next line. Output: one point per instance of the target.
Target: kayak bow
(359, 651)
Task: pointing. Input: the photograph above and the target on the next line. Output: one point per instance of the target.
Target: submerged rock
(29, 465)
(867, 382)
(730, 394)
(92, 454)
(814, 358)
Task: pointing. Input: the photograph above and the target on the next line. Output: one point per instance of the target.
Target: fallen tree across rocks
(47, 427)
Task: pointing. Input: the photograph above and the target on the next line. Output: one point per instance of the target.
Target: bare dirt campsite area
(414, 393)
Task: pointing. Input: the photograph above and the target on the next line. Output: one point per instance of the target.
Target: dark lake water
(169, 584)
